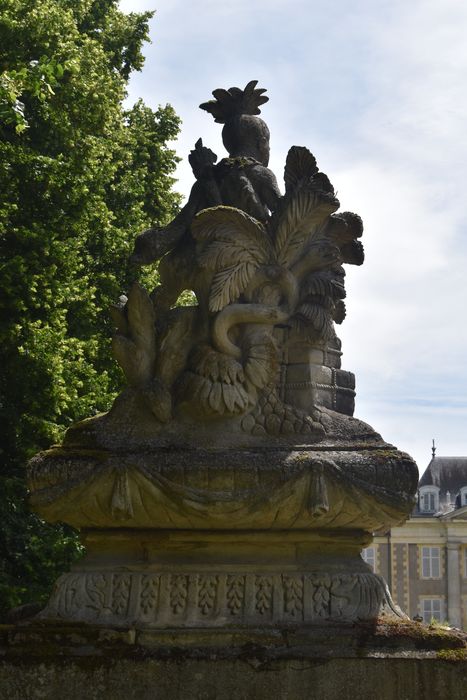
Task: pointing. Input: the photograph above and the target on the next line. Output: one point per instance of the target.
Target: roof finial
(433, 449)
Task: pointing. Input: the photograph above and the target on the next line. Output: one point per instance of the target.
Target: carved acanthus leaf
(216, 382)
(136, 351)
(215, 397)
(175, 344)
(141, 318)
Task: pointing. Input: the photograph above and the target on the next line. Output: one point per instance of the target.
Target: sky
(376, 89)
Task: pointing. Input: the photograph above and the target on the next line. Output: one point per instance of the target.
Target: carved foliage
(216, 382)
(321, 595)
(120, 593)
(263, 595)
(235, 594)
(178, 593)
(207, 587)
(149, 593)
(293, 595)
(136, 350)
(232, 102)
(235, 246)
(248, 597)
(249, 276)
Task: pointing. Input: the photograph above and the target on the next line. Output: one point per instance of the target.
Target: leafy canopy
(80, 177)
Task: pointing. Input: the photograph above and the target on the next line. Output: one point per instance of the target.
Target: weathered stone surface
(367, 488)
(393, 662)
(213, 578)
(229, 483)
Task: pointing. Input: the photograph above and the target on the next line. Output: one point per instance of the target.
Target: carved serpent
(285, 284)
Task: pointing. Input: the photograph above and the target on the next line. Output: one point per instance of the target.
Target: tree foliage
(80, 177)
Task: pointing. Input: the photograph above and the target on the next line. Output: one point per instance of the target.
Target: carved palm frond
(324, 284)
(233, 245)
(315, 317)
(353, 253)
(340, 312)
(300, 166)
(344, 229)
(299, 223)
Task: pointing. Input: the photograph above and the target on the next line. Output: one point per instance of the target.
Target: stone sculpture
(229, 483)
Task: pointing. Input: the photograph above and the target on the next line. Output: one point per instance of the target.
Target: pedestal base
(391, 661)
(199, 579)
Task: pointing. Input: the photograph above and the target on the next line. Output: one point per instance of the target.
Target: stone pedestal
(209, 579)
(391, 661)
(219, 538)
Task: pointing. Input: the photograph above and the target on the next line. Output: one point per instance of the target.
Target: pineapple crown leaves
(234, 102)
(235, 246)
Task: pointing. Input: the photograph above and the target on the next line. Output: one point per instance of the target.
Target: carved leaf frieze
(263, 594)
(178, 593)
(248, 598)
(235, 594)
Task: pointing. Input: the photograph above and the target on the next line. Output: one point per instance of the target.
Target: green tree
(80, 177)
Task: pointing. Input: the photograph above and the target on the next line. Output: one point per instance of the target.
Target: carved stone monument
(229, 485)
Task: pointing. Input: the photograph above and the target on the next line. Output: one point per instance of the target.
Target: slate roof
(448, 473)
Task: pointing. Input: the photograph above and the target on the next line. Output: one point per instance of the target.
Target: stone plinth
(215, 538)
(400, 661)
(196, 578)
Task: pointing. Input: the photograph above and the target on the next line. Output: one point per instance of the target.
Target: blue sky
(376, 89)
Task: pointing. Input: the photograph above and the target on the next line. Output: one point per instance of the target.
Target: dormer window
(429, 499)
(463, 495)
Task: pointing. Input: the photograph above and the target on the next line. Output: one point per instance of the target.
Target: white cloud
(376, 89)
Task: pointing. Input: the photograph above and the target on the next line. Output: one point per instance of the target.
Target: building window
(431, 562)
(463, 495)
(429, 499)
(369, 556)
(431, 609)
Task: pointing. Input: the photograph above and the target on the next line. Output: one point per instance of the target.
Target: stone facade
(424, 561)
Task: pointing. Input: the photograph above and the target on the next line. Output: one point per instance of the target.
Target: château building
(424, 561)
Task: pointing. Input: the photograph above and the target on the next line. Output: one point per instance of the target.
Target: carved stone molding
(217, 599)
